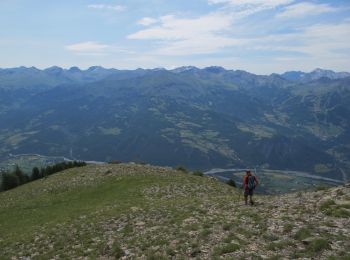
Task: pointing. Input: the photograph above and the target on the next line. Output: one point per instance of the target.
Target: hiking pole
(239, 195)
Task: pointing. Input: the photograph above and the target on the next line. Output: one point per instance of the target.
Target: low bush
(330, 208)
(181, 168)
(277, 246)
(231, 183)
(318, 245)
(303, 233)
(321, 188)
(288, 227)
(327, 205)
(226, 249)
(117, 251)
(198, 173)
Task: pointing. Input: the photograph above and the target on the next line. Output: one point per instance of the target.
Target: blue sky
(260, 36)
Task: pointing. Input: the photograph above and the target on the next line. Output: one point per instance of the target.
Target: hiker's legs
(250, 193)
(246, 193)
(251, 199)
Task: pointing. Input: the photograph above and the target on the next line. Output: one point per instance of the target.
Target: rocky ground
(131, 211)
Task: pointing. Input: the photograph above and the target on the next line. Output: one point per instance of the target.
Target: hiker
(249, 183)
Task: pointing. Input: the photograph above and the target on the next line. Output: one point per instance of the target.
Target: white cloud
(305, 9)
(204, 34)
(244, 8)
(173, 28)
(183, 36)
(117, 8)
(320, 45)
(206, 44)
(86, 47)
(324, 40)
(97, 49)
(249, 3)
(146, 21)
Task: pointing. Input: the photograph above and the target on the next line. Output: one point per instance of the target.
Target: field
(28, 162)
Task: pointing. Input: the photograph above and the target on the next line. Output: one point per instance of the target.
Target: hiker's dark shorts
(248, 192)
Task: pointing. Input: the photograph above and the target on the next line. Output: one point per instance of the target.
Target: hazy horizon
(168, 69)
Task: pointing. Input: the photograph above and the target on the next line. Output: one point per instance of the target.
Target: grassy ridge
(158, 213)
(84, 198)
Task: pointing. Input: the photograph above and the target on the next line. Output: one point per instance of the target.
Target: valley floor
(133, 211)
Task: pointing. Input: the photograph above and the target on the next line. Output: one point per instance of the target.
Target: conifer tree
(36, 173)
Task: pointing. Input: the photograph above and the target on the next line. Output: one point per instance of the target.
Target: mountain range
(199, 118)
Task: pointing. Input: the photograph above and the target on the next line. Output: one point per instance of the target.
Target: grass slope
(134, 211)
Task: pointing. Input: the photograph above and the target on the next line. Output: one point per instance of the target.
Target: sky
(259, 36)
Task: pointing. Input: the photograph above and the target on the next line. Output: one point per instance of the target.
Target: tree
(43, 172)
(49, 170)
(21, 177)
(36, 174)
(9, 181)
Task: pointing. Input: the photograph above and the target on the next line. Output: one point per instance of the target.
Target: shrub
(198, 173)
(277, 246)
(226, 249)
(327, 205)
(270, 236)
(321, 187)
(288, 227)
(318, 245)
(181, 168)
(303, 233)
(338, 213)
(231, 183)
(330, 208)
(204, 233)
(152, 255)
(117, 251)
(227, 226)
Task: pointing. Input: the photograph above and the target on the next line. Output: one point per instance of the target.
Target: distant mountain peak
(74, 69)
(24, 68)
(158, 69)
(215, 69)
(184, 68)
(94, 68)
(320, 70)
(54, 70)
(316, 74)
